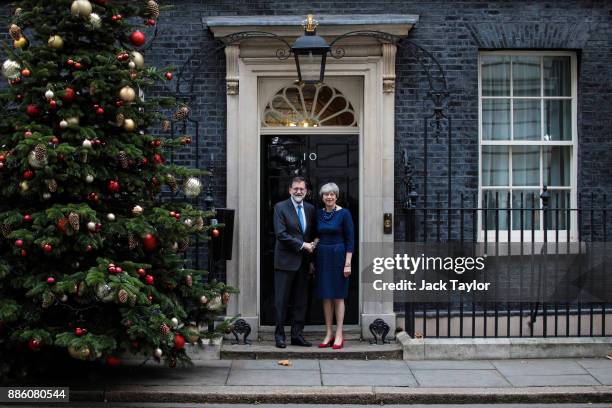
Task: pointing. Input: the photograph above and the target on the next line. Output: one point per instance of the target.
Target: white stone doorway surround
(250, 62)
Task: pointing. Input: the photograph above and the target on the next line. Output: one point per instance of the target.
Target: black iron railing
(539, 233)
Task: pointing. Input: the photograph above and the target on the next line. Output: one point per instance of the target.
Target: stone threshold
(343, 395)
(502, 348)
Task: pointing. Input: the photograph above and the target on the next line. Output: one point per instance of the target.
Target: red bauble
(79, 332)
(215, 233)
(19, 243)
(151, 22)
(27, 218)
(26, 72)
(77, 65)
(141, 272)
(27, 134)
(50, 280)
(137, 38)
(70, 62)
(54, 140)
(149, 243)
(23, 253)
(112, 269)
(113, 186)
(158, 159)
(47, 248)
(32, 110)
(61, 224)
(100, 111)
(88, 248)
(34, 344)
(113, 361)
(53, 104)
(28, 175)
(179, 342)
(169, 76)
(149, 279)
(69, 95)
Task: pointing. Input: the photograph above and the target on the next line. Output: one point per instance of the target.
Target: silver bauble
(192, 187)
(49, 94)
(11, 69)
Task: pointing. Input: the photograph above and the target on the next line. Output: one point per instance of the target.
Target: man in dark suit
(294, 222)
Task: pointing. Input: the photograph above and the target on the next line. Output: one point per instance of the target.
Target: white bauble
(87, 144)
(192, 187)
(63, 124)
(49, 94)
(95, 21)
(91, 226)
(138, 59)
(81, 8)
(110, 217)
(46, 196)
(89, 178)
(137, 210)
(158, 353)
(11, 69)
(132, 65)
(188, 222)
(175, 322)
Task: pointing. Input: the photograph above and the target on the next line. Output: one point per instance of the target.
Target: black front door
(320, 159)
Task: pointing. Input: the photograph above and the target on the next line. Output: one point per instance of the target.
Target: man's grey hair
(329, 188)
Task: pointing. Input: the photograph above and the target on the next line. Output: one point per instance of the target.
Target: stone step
(353, 350)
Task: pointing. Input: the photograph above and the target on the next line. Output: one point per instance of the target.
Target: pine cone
(123, 159)
(164, 329)
(122, 295)
(52, 185)
(225, 298)
(132, 241)
(181, 113)
(15, 32)
(199, 224)
(152, 9)
(183, 244)
(166, 125)
(5, 229)
(189, 280)
(40, 152)
(172, 183)
(73, 218)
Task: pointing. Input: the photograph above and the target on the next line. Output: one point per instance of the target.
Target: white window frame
(515, 235)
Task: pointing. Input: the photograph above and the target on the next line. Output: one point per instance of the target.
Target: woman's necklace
(326, 216)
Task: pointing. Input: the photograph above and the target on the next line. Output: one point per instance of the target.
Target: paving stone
(603, 375)
(274, 377)
(460, 378)
(362, 367)
(538, 367)
(273, 365)
(390, 380)
(594, 362)
(450, 365)
(551, 380)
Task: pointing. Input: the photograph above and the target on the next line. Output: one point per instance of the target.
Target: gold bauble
(74, 120)
(138, 59)
(25, 186)
(20, 43)
(55, 41)
(127, 94)
(80, 353)
(129, 125)
(192, 334)
(81, 8)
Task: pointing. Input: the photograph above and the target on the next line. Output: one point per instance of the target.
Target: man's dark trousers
(291, 285)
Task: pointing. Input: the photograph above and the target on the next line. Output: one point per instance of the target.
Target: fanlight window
(309, 105)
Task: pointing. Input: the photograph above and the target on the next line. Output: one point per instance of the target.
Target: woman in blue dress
(334, 250)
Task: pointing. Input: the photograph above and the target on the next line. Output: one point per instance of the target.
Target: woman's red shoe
(338, 346)
(328, 344)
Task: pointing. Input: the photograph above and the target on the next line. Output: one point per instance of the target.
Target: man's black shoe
(280, 343)
(300, 341)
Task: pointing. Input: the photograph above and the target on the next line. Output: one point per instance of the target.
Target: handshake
(310, 246)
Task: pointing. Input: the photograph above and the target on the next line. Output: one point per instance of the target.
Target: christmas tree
(91, 259)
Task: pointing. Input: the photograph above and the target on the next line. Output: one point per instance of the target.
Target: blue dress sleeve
(349, 231)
